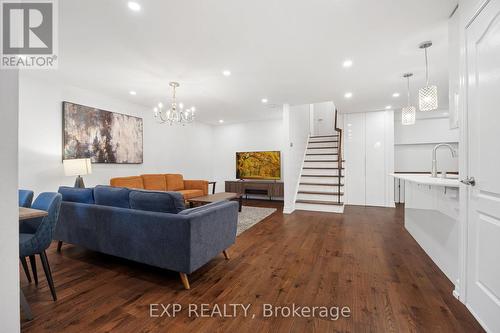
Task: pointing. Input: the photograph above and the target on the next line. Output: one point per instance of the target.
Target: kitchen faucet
(434, 161)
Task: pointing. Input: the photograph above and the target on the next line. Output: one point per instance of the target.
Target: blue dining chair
(25, 198)
(35, 235)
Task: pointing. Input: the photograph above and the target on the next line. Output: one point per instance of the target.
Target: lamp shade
(428, 98)
(408, 115)
(77, 167)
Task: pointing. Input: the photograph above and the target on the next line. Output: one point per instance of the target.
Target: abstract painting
(102, 136)
(258, 165)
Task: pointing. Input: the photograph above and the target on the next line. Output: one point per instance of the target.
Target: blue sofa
(145, 226)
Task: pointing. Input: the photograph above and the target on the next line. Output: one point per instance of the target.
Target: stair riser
(320, 188)
(324, 144)
(320, 164)
(326, 138)
(321, 157)
(319, 208)
(320, 180)
(329, 172)
(320, 197)
(322, 151)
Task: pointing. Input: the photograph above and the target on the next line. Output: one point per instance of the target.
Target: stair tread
(327, 176)
(320, 202)
(323, 136)
(321, 168)
(322, 154)
(320, 192)
(323, 141)
(321, 184)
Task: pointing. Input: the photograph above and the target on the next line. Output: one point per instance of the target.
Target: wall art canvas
(102, 136)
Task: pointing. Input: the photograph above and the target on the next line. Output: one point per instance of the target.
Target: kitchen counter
(426, 179)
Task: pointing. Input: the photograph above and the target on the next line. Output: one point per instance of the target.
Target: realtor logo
(29, 34)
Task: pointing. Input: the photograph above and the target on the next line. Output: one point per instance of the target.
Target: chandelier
(427, 96)
(175, 114)
(408, 113)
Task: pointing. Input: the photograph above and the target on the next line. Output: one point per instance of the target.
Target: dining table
(27, 214)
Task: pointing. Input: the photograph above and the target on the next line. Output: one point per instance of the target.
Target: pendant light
(427, 96)
(408, 113)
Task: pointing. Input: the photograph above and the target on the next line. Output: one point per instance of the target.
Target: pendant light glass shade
(408, 113)
(427, 96)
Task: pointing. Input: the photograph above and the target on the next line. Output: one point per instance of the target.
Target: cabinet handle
(469, 181)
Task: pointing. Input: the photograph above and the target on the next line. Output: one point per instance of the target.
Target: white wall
(9, 226)
(414, 143)
(228, 139)
(297, 128)
(323, 118)
(369, 155)
(167, 149)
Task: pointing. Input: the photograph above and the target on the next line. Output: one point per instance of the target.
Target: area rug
(250, 216)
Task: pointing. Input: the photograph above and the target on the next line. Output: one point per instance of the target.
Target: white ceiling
(290, 51)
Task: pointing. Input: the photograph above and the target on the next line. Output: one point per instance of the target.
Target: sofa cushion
(163, 202)
(202, 208)
(112, 196)
(73, 194)
(188, 194)
(130, 182)
(175, 182)
(154, 182)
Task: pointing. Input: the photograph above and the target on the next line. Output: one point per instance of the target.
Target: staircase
(321, 186)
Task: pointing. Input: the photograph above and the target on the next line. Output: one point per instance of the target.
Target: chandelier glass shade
(427, 96)
(408, 113)
(175, 113)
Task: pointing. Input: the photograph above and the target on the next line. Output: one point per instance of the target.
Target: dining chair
(25, 198)
(35, 235)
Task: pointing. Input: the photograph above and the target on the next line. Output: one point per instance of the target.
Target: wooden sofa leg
(59, 246)
(184, 280)
(226, 255)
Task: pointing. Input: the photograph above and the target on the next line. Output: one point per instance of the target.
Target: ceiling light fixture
(395, 95)
(226, 72)
(132, 5)
(427, 96)
(388, 107)
(347, 63)
(133, 93)
(176, 113)
(348, 95)
(221, 121)
(408, 113)
(264, 100)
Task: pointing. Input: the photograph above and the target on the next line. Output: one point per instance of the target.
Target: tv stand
(270, 188)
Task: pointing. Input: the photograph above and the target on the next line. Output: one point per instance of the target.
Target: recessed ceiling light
(226, 72)
(395, 95)
(347, 63)
(193, 109)
(264, 100)
(388, 107)
(132, 5)
(221, 121)
(160, 105)
(133, 93)
(348, 95)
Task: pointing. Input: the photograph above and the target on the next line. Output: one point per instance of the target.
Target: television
(258, 165)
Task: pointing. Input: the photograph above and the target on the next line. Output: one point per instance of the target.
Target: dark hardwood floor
(363, 259)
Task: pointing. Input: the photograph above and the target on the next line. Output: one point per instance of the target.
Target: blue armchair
(36, 235)
(25, 198)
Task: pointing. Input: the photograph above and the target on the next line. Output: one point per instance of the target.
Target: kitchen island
(432, 212)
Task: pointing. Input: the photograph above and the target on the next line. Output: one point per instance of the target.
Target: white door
(483, 109)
